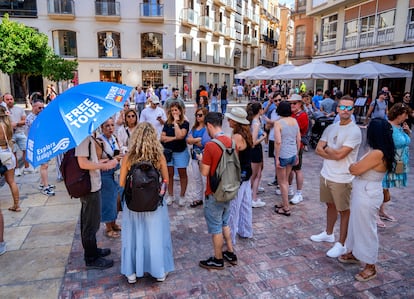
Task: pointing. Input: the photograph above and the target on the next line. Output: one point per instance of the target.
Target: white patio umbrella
(273, 73)
(316, 70)
(374, 70)
(247, 74)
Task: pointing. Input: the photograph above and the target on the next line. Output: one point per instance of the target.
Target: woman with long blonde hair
(146, 236)
(6, 133)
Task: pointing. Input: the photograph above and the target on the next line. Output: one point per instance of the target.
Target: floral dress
(401, 143)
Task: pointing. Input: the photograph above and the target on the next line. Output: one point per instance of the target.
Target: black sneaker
(230, 257)
(212, 263)
(100, 263)
(274, 183)
(103, 252)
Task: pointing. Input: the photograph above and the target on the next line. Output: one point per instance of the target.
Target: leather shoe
(103, 252)
(100, 263)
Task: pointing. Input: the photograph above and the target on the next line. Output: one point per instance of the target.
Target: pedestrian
(223, 98)
(140, 98)
(90, 216)
(155, 115)
(339, 147)
(146, 236)
(6, 133)
(125, 132)
(366, 197)
(214, 98)
(216, 213)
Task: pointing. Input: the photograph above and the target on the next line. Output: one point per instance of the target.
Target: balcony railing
(151, 10)
(385, 35)
(248, 13)
(366, 39)
(107, 8)
(231, 4)
(230, 32)
(219, 28)
(247, 39)
(61, 7)
(410, 32)
(189, 16)
(206, 23)
(256, 18)
(255, 42)
(328, 46)
(350, 42)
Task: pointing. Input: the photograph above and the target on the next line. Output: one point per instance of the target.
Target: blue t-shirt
(204, 138)
(317, 100)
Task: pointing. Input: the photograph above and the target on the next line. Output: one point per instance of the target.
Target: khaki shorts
(337, 193)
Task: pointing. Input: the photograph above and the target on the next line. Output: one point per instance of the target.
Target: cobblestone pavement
(279, 261)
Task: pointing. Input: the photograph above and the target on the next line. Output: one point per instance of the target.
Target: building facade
(153, 42)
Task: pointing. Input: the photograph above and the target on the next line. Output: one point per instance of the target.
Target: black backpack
(77, 180)
(142, 188)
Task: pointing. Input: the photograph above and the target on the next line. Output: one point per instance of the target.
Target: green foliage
(56, 68)
(22, 49)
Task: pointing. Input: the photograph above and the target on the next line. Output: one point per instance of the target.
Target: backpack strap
(222, 146)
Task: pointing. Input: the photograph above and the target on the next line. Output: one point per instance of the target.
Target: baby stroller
(318, 127)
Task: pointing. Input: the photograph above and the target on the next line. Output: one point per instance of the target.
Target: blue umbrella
(71, 117)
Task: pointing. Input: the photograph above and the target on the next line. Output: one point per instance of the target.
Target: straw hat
(238, 115)
(295, 98)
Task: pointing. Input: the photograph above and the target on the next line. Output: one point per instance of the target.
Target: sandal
(282, 211)
(112, 234)
(348, 258)
(196, 203)
(386, 217)
(380, 223)
(278, 206)
(15, 209)
(116, 227)
(368, 273)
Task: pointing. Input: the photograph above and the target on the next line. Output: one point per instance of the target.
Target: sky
(289, 3)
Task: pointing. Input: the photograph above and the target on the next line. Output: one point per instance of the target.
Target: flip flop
(282, 211)
(388, 218)
(196, 203)
(380, 223)
(15, 209)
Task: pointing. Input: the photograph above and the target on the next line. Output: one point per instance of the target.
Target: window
(368, 24)
(25, 8)
(216, 53)
(300, 41)
(351, 34)
(203, 52)
(151, 45)
(187, 48)
(153, 78)
(227, 58)
(329, 26)
(410, 25)
(109, 44)
(64, 43)
(386, 19)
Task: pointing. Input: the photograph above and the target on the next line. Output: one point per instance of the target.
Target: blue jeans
(223, 106)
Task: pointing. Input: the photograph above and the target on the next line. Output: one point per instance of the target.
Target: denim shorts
(180, 159)
(20, 140)
(288, 161)
(216, 214)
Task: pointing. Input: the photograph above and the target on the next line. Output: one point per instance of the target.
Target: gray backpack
(225, 182)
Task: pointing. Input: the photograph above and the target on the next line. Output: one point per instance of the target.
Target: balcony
(219, 28)
(350, 42)
(107, 11)
(247, 39)
(255, 42)
(189, 17)
(152, 13)
(366, 39)
(61, 10)
(205, 23)
(385, 35)
(328, 46)
(220, 2)
(231, 5)
(256, 18)
(248, 14)
(230, 33)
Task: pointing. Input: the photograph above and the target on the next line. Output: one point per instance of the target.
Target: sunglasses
(294, 103)
(126, 105)
(199, 115)
(131, 116)
(347, 108)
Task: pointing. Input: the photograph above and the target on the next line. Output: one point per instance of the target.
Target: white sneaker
(291, 192)
(337, 250)
(176, 178)
(258, 203)
(28, 170)
(162, 278)
(278, 192)
(169, 199)
(181, 201)
(2, 248)
(323, 237)
(260, 190)
(296, 199)
(17, 172)
(132, 278)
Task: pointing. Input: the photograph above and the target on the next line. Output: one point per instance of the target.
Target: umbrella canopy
(274, 72)
(71, 117)
(374, 70)
(248, 74)
(316, 70)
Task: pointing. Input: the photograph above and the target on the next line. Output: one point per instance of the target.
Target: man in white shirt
(154, 114)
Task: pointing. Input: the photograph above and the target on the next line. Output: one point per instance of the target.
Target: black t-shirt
(175, 145)
(223, 92)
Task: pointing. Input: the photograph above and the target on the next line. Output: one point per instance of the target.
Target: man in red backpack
(91, 205)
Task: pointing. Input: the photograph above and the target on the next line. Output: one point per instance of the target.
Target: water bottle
(163, 188)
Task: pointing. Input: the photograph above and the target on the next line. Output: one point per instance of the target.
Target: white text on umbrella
(81, 114)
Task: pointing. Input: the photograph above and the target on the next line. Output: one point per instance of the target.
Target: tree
(25, 52)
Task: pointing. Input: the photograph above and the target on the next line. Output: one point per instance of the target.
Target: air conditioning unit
(183, 55)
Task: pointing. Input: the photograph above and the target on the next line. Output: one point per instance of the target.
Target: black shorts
(299, 165)
(257, 154)
(271, 149)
